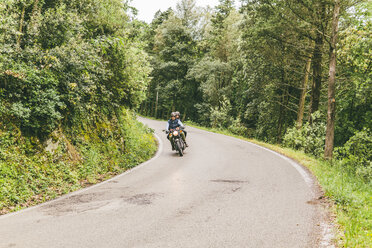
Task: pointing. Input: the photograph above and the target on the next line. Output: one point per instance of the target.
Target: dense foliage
(70, 74)
(28, 178)
(64, 61)
(261, 70)
(309, 138)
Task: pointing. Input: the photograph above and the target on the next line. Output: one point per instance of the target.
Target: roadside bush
(203, 113)
(220, 117)
(356, 154)
(238, 128)
(30, 99)
(310, 138)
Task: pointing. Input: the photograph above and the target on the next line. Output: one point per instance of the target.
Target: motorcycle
(179, 144)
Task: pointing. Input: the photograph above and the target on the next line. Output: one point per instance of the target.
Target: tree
(301, 107)
(319, 27)
(331, 84)
(261, 69)
(186, 11)
(353, 90)
(215, 70)
(67, 62)
(175, 51)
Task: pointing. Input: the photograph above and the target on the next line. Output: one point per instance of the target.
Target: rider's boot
(184, 139)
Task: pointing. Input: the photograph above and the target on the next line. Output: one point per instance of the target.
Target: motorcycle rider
(175, 124)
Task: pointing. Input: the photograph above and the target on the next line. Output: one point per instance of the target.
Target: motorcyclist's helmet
(173, 114)
(177, 113)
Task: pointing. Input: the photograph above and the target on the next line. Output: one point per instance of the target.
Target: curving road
(223, 193)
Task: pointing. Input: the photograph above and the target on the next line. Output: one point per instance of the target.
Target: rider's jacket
(173, 124)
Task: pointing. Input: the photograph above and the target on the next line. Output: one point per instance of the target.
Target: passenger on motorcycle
(178, 114)
(175, 124)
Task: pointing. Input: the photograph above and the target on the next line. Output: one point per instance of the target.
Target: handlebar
(171, 130)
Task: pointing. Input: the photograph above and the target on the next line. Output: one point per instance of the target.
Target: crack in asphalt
(228, 181)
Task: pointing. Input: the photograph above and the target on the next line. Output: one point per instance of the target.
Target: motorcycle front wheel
(180, 150)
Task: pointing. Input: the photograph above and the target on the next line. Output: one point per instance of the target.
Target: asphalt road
(223, 193)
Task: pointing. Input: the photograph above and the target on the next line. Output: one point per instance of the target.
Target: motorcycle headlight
(175, 133)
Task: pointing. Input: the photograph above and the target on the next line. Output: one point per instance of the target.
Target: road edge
(326, 232)
(80, 191)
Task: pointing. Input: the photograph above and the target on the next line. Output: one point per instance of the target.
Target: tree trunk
(156, 103)
(184, 116)
(283, 110)
(283, 115)
(330, 134)
(317, 73)
(151, 108)
(300, 114)
(317, 60)
(34, 9)
(35, 13)
(21, 26)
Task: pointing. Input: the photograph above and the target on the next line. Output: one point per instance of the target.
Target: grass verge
(351, 196)
(30, 174)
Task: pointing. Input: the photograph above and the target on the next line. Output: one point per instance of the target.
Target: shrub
(238, 128)
(31, 100)
(310, 138)
(356, 154)
(220, 117)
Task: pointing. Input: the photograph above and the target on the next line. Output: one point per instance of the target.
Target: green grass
(352, 197)
(29, 175)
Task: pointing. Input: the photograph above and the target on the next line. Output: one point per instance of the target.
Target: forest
(73, 75)
(263, 70)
